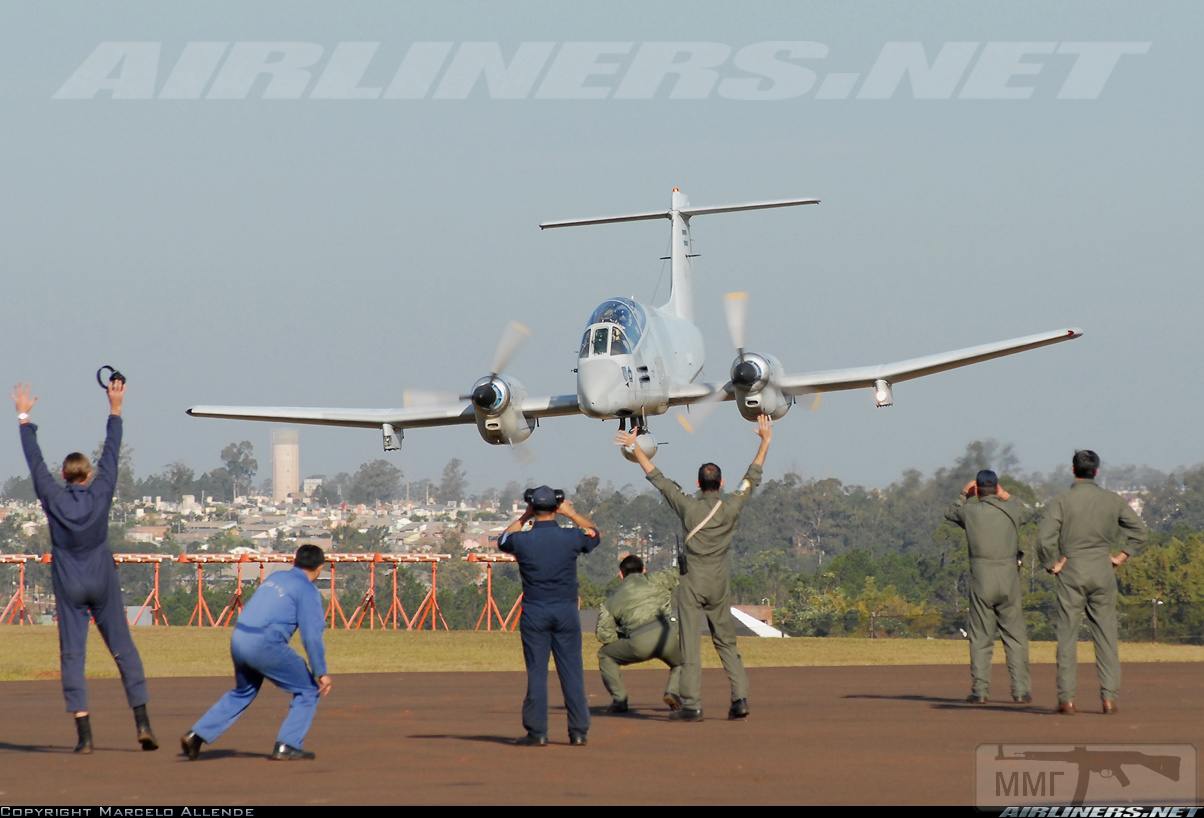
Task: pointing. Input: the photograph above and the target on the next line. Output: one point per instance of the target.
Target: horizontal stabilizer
(687, 212)
(631, 217)
(732, 208)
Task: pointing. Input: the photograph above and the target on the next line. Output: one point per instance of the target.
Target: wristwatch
(23, 416)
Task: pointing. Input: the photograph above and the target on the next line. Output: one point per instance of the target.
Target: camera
(529, 498)
(114, 375)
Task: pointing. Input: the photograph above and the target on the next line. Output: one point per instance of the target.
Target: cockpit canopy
(615, 328)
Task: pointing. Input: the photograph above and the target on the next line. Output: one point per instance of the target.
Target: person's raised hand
(23, 398)
(116, 392)
(1002, 494)
(626, 438)
(764, 428)
(970, 489)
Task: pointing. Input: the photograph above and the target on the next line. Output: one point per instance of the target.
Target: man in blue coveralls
(547, 561)
(286, 601)
(83, 572)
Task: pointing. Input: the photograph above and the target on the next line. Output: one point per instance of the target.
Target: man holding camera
(636, 623)
(547, 561)
(86, 585)
(992, 521)
(709, 519)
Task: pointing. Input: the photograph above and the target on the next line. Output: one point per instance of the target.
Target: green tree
(180, 479)
(509, 495)
(375, 481)
(453, 486)
(19, 487)
(241, 465)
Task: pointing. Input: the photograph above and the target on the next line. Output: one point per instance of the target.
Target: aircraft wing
(833, 380)
(449, 414)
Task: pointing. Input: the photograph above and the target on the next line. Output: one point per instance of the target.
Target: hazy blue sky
(335, 253)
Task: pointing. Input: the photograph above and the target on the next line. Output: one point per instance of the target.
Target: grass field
(32, 652)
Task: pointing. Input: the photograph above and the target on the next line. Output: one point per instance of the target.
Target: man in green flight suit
(709, 519)
(992, 521)
(1074, 542)
(637, 623)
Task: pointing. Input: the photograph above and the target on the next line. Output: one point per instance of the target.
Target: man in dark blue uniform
(83, 572)
(286, 601)
(547, 560)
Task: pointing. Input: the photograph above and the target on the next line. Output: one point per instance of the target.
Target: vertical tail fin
(681, 292)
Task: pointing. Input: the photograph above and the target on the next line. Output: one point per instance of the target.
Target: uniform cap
(543, 498)
(987, 479)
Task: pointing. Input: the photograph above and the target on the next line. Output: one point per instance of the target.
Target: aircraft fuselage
(630, 357)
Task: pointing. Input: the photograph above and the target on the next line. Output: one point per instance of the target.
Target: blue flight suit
(547, 560)
(259, 647)
(83, 573)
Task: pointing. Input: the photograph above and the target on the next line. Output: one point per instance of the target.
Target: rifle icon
(1108, 763)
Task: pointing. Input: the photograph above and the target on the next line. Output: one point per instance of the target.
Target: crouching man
(636, 623)
(259, 647)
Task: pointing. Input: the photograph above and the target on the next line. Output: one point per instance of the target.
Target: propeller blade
(524, 455)
(422, 398)
(735, 309)
(696, 415)
(512, 338)
(819, 398)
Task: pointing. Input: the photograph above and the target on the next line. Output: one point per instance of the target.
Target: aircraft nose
(600, 386)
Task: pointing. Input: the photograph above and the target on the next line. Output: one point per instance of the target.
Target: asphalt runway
(861, 735)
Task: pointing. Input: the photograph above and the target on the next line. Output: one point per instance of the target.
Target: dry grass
(32, 652)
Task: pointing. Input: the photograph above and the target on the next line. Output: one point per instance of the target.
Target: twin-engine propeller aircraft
(637, 361)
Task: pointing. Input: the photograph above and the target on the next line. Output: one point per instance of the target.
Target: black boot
(142, 722)
(285, 752)
(739, 709)
(83, 728)
(191, 743)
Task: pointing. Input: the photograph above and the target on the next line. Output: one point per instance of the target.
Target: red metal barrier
(491, 609)
(152, 599)
(429, 607)
(15, 612)
(202, 616)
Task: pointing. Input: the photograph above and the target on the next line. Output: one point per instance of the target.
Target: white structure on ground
(286, 464)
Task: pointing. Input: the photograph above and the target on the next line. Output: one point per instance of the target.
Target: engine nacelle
(753, 376)
(497, 401)
(647, 444)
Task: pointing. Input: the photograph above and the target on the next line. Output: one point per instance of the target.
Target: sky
(337, 252)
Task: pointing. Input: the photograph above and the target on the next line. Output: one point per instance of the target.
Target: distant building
(286, 465)
(310, 484)
(146, 533)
